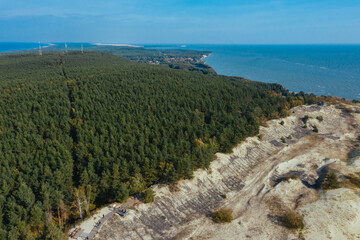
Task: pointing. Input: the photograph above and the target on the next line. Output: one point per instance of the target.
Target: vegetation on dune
(305, 119)
(320, 118)
(81, 130)
(331, 182)
(293, 220)
(148, 195)
(222, 216)
(315, 129)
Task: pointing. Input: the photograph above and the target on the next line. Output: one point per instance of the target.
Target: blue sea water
(320, 69)
(14, 46)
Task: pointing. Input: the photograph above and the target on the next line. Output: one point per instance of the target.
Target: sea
(15, 46)
(320, 69)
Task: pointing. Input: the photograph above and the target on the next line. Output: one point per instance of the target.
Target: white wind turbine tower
(40, 50)
(65, 47)
(82, 48)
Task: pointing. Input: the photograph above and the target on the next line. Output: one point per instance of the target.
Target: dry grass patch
(174, 187)
(353, 180)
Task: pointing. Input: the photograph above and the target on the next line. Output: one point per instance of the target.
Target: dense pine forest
(78, 131)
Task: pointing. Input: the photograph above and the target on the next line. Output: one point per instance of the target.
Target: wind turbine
(40, 50)
(82, 48)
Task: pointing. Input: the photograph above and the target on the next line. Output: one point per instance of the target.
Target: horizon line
(129, 43)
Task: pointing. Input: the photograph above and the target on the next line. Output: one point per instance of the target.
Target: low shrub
(293, 220)
(305, 119)
(320, 118)
(282, 123)
(222, 216)
(315, 129)
(331, 182)
(283, 140)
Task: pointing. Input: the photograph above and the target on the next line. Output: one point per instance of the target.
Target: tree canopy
(81, 130)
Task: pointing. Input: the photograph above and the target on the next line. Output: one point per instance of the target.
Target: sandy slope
(251, 179)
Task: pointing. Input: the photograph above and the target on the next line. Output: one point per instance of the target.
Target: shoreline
(206, 56)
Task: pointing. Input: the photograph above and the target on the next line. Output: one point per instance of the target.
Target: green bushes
(148, 195)
(222, 216)
(293, 220)
(315, 129)
(320, 118)
(305, 119)
(331, 182)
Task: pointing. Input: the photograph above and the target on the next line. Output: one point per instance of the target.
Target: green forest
(78, 131)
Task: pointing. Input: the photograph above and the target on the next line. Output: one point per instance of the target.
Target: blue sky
(181, 21)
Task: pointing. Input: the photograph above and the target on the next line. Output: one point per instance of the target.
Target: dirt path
(250, 178)
(90, 227)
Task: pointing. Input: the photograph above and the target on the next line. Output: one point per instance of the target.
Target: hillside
(261, 183)
(81, 130)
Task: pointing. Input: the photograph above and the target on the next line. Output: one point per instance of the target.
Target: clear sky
(181, 21)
